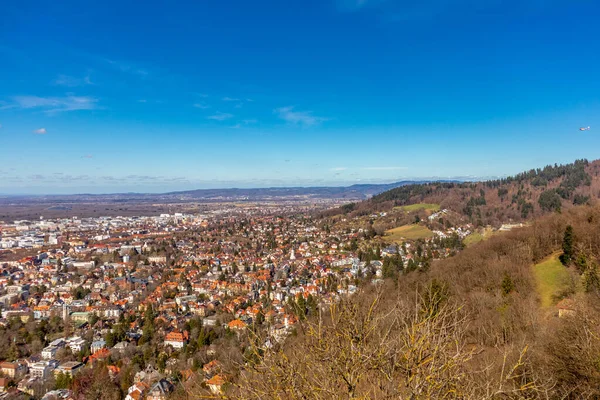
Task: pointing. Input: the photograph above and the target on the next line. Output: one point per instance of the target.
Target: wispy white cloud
(126, 181)
(128, 68)
(151, 101)
(383, 168)
(87, 156)
(40, 131)
(230, 99)
(57, 178)
(56, 104)
(244, 122)
(71, 81)
(220, 116)
(201, 106)
(305, 118)
(147, 179)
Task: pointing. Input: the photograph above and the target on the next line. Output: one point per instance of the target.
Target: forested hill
(504, 319)
(516, 198)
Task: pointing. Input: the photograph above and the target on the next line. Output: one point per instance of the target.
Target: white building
(76, 344)
(98, 345)
(48, 353)
(69, 368)
(40, 370)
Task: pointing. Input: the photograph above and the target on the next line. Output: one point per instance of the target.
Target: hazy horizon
(60, 191)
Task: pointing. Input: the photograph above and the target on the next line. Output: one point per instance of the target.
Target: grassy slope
(473, 238)
(411, 232)
(421, 206)
(551, 277)
(479, 236)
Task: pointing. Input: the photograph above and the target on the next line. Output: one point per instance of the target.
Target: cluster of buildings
(231, 270)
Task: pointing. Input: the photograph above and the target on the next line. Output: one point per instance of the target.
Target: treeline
(574, 175)
(404, 194)
(520, 197)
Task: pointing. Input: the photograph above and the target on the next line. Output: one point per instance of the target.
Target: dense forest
(470, 327)
(516, 198)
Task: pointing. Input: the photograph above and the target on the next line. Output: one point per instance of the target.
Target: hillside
(521, 197)
(482, 325)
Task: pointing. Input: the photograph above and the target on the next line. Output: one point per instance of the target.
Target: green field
(551, 279)
(421, 206)
(411, 232)
(478, 236)
(473, 238)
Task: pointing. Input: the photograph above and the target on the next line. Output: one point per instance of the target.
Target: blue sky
(106, 96)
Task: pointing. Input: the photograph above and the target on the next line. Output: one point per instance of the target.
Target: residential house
(566, 308)
(237, 325)
(69, 368)
(13, 370)
(137, 391)
(211, 368)
(215, 384)
(97, 345)
(176, 339)
(160, 390)
(76, 344)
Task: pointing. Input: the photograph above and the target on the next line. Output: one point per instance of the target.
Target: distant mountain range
(350, 193)
(354, 192)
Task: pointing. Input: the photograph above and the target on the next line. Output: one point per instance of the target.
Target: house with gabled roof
(160, 390)
(215, 384)
(236, 325)
(176, 339)
(137, 391)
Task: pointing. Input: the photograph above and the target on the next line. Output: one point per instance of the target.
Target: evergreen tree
(591, 280)
(567, 246)
(109, 338)
(63, 381)
(148, 328)
(387, 270)
(13, 352)
(581, 263)
(507, 285)
(301, 307)
(411, 265)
